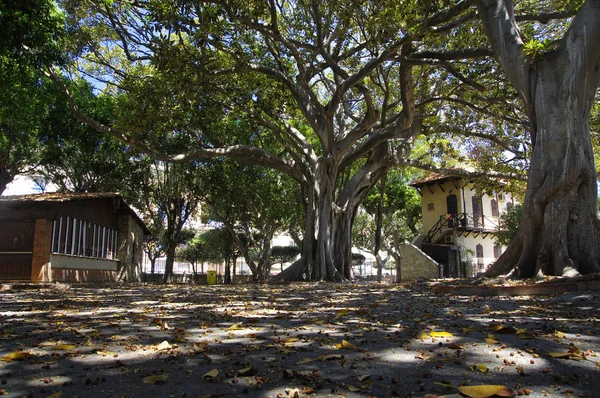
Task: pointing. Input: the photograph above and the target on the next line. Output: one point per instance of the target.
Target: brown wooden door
(16, 249)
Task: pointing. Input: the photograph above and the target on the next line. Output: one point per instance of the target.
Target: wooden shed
(70, 237)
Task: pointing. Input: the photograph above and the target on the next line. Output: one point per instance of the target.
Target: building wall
(416, 264)
(469, 252)
(433, 202)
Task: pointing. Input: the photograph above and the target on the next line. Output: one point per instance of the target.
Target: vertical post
(102, 254)
(53, 235)
(73, 237)
(60, 222)
(66, 235)
(85, 226)
(93, 239)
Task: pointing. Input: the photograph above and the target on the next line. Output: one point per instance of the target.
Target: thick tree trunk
(170, 260)
(327, 244)
(559, 234)
(5, 179)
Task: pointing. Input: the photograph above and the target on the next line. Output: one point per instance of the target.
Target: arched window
(495, 212)
(477, 211)
(497, 251)
(479, 252)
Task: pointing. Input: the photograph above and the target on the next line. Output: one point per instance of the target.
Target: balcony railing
(463, 222)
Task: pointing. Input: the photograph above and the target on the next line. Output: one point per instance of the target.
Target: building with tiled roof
(459, 224)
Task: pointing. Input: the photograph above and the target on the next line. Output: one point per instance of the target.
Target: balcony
(463, 224)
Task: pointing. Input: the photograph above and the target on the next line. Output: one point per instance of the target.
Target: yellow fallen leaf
(422, 335)
(155, 379)
(353, 389)
(347, 345)
(290, 340)
(330, 357)
(342, 313)
(16, 356)
(440, 334)
(491, 341)
(560, 335)
(211, 374)
(521, 331)
(180, 340)
(479, 367)
(65, 347)
(560, 354)
(237, 326)
(305, 360)
(363, 378)
(55, 395)
(484, 391)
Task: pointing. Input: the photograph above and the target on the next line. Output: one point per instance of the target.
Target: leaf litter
(355, 340)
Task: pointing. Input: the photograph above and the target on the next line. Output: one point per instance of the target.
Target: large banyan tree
(560, 231)
(334, 93)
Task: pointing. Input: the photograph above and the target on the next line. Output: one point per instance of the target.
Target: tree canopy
(332, 94)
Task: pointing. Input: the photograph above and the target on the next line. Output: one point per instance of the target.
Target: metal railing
(463, 222)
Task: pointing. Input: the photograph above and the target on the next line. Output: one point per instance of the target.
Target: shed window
(75, 237)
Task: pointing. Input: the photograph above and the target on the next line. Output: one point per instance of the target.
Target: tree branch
(242, 153)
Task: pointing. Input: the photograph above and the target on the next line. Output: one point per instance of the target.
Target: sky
(23, 185)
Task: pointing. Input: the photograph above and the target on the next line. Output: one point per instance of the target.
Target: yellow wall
(436, 194)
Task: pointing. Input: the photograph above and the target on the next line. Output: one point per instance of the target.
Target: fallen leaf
(65, 347)
(16, 356)
(305, 360)
(55, 395)
(422, 335)
(363, 378)
(560, 335)
(484, 391)
(347, 345)
(440, 334)
(491, 341)
(164, 345)
(479, 367)
(237, 326)
(250, 371)
(330, 357)
(211, 375)
(157, 379)
(353, 389)
(560, 354)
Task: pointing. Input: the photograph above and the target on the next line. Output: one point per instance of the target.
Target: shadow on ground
(319, 340)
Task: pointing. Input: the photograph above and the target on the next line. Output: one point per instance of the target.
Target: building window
(430, 206)
(509, 206)
(497, 251)
(479, 252)
(495, 212)
(74, 237)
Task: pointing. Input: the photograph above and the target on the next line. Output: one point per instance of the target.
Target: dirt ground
(316, 340)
